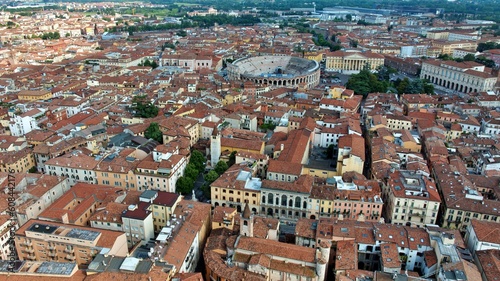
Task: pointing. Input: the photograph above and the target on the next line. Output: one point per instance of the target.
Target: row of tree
(50, 36)
(470, 57)
(366, 82)
(185, 184)
(153, 64)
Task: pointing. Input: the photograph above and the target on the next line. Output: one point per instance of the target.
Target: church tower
(246, 222)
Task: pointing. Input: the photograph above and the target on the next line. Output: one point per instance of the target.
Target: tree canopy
(184, 185)
(416, 86)
(481, 47)
(153, 64)
(154, 132)
(198, 160)
(366, 82)
(191, 171)
(211, 176)
(143, 108)
(221, 167)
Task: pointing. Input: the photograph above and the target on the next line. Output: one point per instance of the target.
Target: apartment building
(5, 236)
(462, 202)
(174, 126)
(411, 243)
(462, 77)
(37, 193)
(162, 169)
(351, 154)
(21, 161)
(54, 147)
(138, 223)
(162, 204)
(411, 198)
(236, 187)
(76, 207)
(41, 270)
(34, 95)
(75, 166)
(447, 47)
(39, 240)
(117, 169)
(360, 200)
(24, 123)
(352, 62)
(397, 122)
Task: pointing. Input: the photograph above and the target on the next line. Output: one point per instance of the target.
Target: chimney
(282, 147)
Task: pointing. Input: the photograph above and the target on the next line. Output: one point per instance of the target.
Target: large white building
(462, 77)
(353, 62)
(22, 124)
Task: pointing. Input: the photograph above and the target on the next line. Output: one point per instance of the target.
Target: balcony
(29, 250)
(52, 254)
(417, 214)
(31, 257)
(69, 251)
(418, 208)
(27, 244)
(51, 248)
(70, 257)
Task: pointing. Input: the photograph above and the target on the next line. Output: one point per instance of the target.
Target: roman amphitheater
(285, 71)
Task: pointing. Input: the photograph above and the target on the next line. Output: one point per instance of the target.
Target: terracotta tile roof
(347, 255)
(294, 146)
(356, 143)
(389, 255)
(302, 185)
(276, 166)
(275, 248)
(489, 261)
(262, 226)
(242, 144)
(430, 258)
(487, 231)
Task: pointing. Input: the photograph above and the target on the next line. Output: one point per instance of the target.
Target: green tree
(184, 185)
(232, 159)
(154, 132)
(445, 57)
(481, 47)
(191, 171)
(366, 82)
(198, 160)
(143, 108)
(469, 57)
(211, 176)
(487, 62)
(221, 167)
(181, 33)
(403, 85)
(268, 126)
